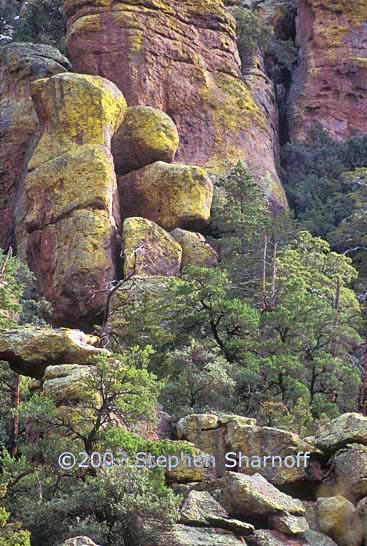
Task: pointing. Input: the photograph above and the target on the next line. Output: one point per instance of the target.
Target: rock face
(20, 64)
(62, 383)
(236, 435)
(146, 136)
(347, 474)
(196, 78)
(72, 163)
(30, 350)
(340, 520)
(182, 535)
(347, 429)
(253, 496)
(195, 249)
(330, 81)
(149, 250)
(170, 195)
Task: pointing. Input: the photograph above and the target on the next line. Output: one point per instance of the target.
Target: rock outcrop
(196, 78)
(236, 435)
(330, 81)
(171, 195)
(30, 350)
(347, 473)
(347, 429)
(195, 249)
(20, 64)
(70, 240)
(340, 520)
(146, 136)
(149, 250)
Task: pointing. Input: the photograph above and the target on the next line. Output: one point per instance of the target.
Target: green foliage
(19, 302)
(42, 21)
(105, 507)
(11, 534)
(252, 34)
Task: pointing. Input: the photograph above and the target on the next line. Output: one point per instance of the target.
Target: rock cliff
(330, 79)
(182, 58)
(20, 64)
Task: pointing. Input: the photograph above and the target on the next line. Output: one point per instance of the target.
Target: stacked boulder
(68, 217)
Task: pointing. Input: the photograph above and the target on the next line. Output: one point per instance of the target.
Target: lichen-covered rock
(149, 250)
(30, 350)
(195, 249)
(154, 534)
(330, 81)
(241, 435)
(68, 215)
(170, 195)
(315, 538)
(200, 509)
(347, 429)
(146, 136)
(362, 512)
(274, 538)
(347, 473)
(254, 497)
(20, 64)
(289, 525)
(196, 77)
(340, 520)
(75, 109)
(62, 383)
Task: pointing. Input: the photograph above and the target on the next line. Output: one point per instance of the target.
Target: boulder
(195, 249)
(184, 62)
(62, 384)
(254, 497)
(30, 350)
(200, 509)
(349, 428)
(20, 64)
(149, 250)
(72, 163)
(274, 538)
(239, 435)
(183, 535)
(362, 512)
(347, 473)
(329, 84)
(146, 136)
(170, 195)
(340, 520)
(288, 525)
(314, 538)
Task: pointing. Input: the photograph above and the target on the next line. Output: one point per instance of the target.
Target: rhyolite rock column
(20, 64)
(68, 216)
(330, 81)
(181, 57)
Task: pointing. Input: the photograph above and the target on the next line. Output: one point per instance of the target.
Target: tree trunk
(14, 421)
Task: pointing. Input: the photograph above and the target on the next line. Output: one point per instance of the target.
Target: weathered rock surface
(62, 383)
(347, 473)
(349, 428)
(274, 538)
(196, 78)
(149, 250)
(235, 435)
(183, 535)
(170, 195)
(72, 163)
(200, 509)
(362, 511)
(30, 350)
(146, 136)
(330, 81)
(20, 64)
(289, 525)
(195, 249)
(340, 520)
(253, 496)
(314, 538)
